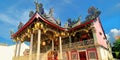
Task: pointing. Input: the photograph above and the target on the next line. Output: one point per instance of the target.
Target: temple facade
(49, 41)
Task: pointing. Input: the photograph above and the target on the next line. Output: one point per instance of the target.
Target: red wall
(92, 50)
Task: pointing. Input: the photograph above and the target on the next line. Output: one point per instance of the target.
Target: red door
(82, 55)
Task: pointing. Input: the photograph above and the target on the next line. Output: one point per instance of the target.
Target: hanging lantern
(37, 25)
(43, 43)
(56, 34)
(63, 34)
(41, 25)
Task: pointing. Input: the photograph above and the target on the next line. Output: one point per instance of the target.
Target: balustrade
(43, 55)
(78, 44)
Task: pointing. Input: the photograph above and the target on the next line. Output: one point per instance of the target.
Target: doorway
(82, 55)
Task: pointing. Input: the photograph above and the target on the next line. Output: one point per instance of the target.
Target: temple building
(49, 41)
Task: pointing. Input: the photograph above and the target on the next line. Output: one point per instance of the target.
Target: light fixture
(43, 43)
(63, 34)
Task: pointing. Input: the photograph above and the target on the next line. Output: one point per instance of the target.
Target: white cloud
(111, 35)
(115, 32)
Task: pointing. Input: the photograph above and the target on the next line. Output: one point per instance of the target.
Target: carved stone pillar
(19, 48)
(52, 45)
(61, 57)
(38, 45)
(16, 49)
(31, 46)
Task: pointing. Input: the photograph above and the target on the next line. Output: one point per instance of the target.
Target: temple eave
(72, 29)
(36, 15)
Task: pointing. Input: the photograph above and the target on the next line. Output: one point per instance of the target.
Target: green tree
(116, 48)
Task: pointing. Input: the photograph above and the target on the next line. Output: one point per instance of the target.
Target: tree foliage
(116, 49)
(116, 46)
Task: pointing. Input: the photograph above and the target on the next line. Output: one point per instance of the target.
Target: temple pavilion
(49, 41)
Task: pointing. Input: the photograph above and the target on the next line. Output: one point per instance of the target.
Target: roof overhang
(36, 15)
(81, 25)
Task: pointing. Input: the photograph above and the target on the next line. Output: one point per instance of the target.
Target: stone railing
(78, 44)
(43, 56)
(84, 42)
(21, 58)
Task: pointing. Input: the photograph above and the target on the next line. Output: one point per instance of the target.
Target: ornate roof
(49, 19)
(36, 15)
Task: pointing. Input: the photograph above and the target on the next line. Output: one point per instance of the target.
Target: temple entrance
(82, 55)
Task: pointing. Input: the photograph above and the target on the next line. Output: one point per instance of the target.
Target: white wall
(104, 53)
(7, 52)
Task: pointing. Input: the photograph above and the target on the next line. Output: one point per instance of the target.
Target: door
(82, 55)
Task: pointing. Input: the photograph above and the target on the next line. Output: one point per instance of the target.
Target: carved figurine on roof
(93, 13)
(11, 33)
(50, 17)
(20, 25)
(72, 23)
(39, 8)
(78, 22)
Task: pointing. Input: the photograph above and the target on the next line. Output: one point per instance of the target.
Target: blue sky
(14, 11)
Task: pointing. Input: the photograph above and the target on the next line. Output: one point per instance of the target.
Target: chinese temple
(49, 41)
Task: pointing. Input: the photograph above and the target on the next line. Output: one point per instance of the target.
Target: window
(100, 33)
(92, 55)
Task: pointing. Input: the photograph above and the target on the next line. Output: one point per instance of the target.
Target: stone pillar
(19, 48)
(38, 45)
(60, 42)
(31, 46)
(52, 45)
(16, 49)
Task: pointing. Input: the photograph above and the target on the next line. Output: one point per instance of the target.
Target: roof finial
(37, 5)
